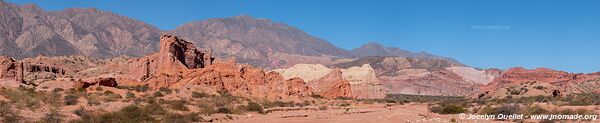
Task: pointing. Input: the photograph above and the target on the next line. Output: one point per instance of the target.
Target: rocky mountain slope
(254, 40)
(29, 31)
(376, 49)
(423, 76)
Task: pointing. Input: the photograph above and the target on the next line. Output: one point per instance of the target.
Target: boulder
(364, 82)
(332, 85)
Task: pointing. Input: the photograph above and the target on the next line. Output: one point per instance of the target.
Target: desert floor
(408, 113)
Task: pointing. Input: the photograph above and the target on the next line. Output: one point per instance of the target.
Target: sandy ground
(408, 113)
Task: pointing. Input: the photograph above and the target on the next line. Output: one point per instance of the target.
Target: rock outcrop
(364, 82)
(102, 81)
(11, 69)
(180, 65)
(548, 81)
(354, 82)
(421, 76)
(332, 85)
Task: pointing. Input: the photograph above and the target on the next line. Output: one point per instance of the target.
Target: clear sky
(557, 34)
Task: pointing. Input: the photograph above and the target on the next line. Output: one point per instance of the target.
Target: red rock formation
(178, 51)
(332, 85)
(11, 69)
(566, 82)
(517, 75)
(180, 64)
(109, 82)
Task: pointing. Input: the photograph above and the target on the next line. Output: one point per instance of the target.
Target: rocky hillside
(253, 40)
(424, 76)
(519, 81)
(30, 31)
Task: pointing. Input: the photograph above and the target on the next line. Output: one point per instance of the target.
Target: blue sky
(557, 34)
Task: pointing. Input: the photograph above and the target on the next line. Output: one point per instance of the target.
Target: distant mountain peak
(372, 44)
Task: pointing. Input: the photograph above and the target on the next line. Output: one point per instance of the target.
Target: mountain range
(29, 31)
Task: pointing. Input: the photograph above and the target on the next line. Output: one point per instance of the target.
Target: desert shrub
(7, 114)
(278, 104)
(317, 96)
(344, 104)
(224, 100)
(322, 107)
(224, 110)
(71, 99)
(199, 94)
(582, 99)
(111, 96)
(129, 114)
(56, 90)
(208, 110)
(182, 118)
(448, 109)
(52, 117)
(84, 114)
(138, 88)
(129, 95)
(255, 107)
(539, 87)
(154, 109)
(98, 88)
(178, 105)
(93, 100)
(534, 110)
(165, 90)
(29, 98)
(343, 98)
(158, 94)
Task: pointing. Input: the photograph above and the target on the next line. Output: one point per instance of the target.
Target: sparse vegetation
(24, 97)
(71, 99)
(177, 105)
(199, 94)
(224, 110)
(7, 113)
(255, 107)
(139, 88)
